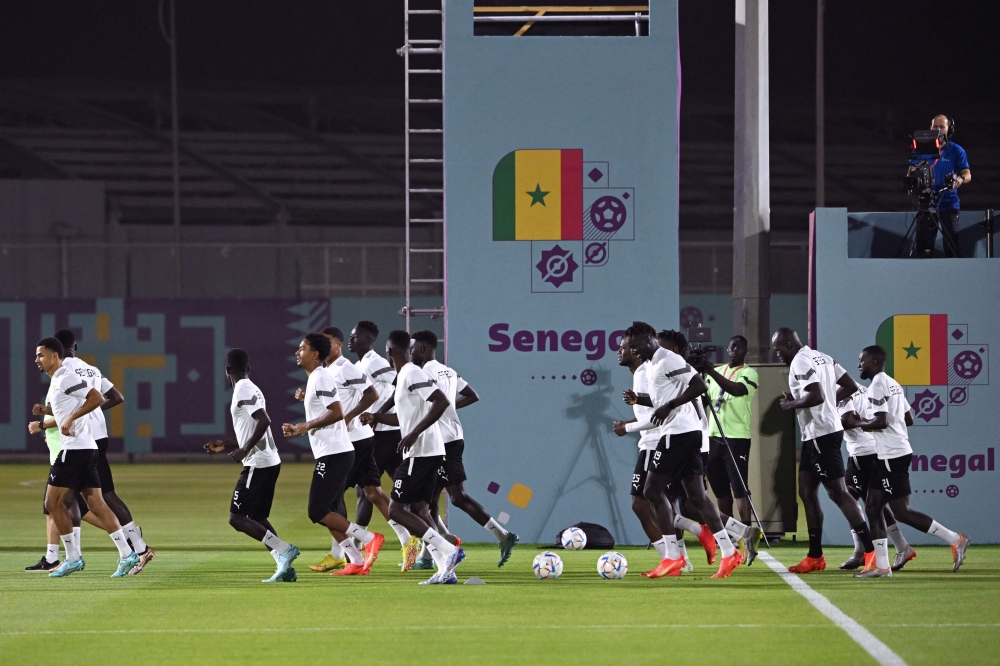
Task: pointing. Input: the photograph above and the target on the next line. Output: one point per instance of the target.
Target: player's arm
(696, 386)
(334, 412)
(382, 415)
(736, 389)
(38, 427)
(93, 401)
(908, 417)
(368, 399)
(846, 386)
(220, 445)
(469, 396)
(631, 398)
(262, 423)
(880, 421)
(39, 409)
(812, 395)
(112, 398)
(439, 403)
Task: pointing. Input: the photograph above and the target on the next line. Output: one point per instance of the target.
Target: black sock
(865, 535)
(816, 543)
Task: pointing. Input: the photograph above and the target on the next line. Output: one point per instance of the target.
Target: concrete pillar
(752, 186)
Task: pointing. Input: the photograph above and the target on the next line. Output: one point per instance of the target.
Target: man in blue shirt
(952, 160)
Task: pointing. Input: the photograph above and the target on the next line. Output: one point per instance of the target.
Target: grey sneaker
(752, 541)
(506, 546)
(902, 557)
(875, 572)
(958, 551)
(856, 561)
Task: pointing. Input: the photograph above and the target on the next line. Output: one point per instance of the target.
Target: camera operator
(952, 161)
(731, 388)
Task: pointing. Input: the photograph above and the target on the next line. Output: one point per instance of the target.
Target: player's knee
(640, 506)
(395, 508)
(318, 513)
(51, 503)
(235, 521)
(652, 494)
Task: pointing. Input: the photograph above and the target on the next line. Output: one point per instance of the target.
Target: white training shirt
(643, 415)
(705, 439)
(69, 392)
(351, 384)
(321, 391)
(450, 383)
(886, 395)
(859, 442)
(413, 390)
(813, 367)
(94, 378)
(247, 401)
(667, 376)
(381, 374)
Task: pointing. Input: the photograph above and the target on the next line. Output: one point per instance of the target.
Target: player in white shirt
(253, 446)
(673, 385)
(419, 404)
(889, 416)
(75, 468)
(818, 384)
(99, 427)
(452, 475)
(382, 375)
(357, 394)
(334, 454)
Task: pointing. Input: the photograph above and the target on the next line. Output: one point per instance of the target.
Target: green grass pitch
(201, 599)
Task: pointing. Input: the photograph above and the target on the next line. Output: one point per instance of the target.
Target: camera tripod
(919, 239)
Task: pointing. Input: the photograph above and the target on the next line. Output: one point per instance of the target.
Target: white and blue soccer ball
(573, 538)
(547, 565)
(612, 565)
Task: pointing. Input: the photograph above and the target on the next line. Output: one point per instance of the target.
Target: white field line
(873, 646)
(491, 628)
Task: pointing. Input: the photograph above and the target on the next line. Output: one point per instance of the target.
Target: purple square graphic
(595, 174)
(957, 334)
(625, 196)
(493, 488)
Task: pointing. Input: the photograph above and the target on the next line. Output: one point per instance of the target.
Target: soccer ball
(612, 566)
(573, 538)
(547, 565)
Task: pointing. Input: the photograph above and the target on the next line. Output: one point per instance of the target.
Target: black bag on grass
(598, 536)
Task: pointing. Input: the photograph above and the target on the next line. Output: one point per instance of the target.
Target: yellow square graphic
(519, 495)
(144, 430)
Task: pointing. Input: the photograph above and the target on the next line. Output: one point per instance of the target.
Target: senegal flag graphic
(917, 346)
(538, 195)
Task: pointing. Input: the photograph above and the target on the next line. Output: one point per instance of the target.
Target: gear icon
(927, 405)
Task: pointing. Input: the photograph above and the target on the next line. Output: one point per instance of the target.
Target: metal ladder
(425, 172)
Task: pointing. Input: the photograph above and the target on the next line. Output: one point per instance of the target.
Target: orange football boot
(666, 568)
(728, 565)
(813, 564)
(707, 540)
(352, 570)
(371, 551)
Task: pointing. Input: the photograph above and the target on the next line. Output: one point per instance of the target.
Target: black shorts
(75, 469)
(859, 472)
(822, 457)
(416, 479)
(640, 472)
(80, 503)
(329, 480)
(723, 475)
(387, 456)
(254, 492)
(892, 476)
(683, 458)
(364, 472)
(103, 468)
(452, 471)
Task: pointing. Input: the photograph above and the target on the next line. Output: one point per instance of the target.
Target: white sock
(359, 533)
(354, 555)
(442, 528)
(881, 553)
(439, 542)
(671, 542)
(400, 531)
(736, 528)
(272, 541)
(425, 553)
(123, 548)
(722, 537)
(943, 533)
(440, 560)
(687, 524)
(859, 548)
(275, 554)
(336, 550)
(661, 548)
(76, 539)
(135, 536)
(494, 528)
(52, 553)
(681, 546)
(899, 541)
(72, 552)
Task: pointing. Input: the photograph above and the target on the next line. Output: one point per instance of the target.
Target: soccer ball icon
(608, 214)
(573, 538)
(547, 565)
(612, 566)
(968, 364)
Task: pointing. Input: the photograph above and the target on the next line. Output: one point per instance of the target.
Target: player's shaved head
(237, 361)
(67, 338)
(786, 344)
(877, 353)
(428, 338)
(368, 328)
(334, 332)
(399, 339)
